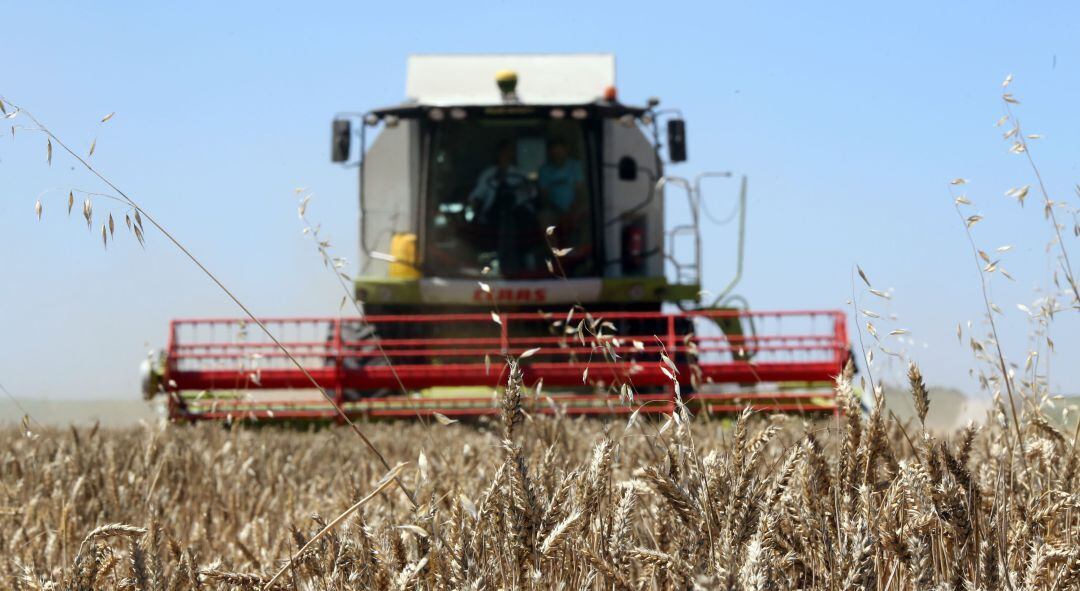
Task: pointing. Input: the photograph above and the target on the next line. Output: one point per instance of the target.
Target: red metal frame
(218, 354)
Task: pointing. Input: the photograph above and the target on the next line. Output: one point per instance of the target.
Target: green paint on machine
(622, 290)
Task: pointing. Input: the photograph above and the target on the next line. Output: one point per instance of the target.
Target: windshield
(495, 186)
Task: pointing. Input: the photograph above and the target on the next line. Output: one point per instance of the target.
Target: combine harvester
(513, 204)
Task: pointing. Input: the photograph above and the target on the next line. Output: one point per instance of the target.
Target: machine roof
(543, 79)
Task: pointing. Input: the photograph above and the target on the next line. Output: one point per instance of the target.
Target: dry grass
(758, 503)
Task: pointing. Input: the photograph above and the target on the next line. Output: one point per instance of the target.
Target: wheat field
(520, 502)
(861, 501)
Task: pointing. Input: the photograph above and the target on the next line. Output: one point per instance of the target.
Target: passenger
(561, 180)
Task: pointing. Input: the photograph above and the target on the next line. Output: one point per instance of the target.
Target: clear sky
(849, 118)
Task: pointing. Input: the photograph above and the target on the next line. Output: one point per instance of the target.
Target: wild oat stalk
(142, 213)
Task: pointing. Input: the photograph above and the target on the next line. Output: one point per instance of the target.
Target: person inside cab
(503, 212)
(561, 179)
(503, 175)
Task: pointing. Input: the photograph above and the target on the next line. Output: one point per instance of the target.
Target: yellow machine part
(403, 249)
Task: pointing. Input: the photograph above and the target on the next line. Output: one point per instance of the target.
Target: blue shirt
(560, 182)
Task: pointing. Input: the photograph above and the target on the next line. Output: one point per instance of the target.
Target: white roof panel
(542, 78)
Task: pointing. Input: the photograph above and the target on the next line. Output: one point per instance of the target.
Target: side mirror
(627, 169)
(676, 138)
(341, 137)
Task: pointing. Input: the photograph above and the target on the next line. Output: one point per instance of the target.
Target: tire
(350, 333)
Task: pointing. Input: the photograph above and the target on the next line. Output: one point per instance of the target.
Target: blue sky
(849, 118)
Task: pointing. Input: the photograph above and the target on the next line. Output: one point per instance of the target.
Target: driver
(502, 204)
(503, 172)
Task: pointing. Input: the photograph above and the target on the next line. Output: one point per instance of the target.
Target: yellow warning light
(507, 81)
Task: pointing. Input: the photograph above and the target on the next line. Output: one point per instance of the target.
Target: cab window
(494, 188)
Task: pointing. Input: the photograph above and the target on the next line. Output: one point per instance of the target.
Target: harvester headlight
(436, 114)
(391, 120)
(557, 113)
(627, 120)
(457, 113)
(371, 120)
(579, 113)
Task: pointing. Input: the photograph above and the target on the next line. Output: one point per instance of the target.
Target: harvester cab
(514, 205)
(525, 172)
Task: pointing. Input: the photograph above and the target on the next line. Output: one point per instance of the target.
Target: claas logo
(507, 294)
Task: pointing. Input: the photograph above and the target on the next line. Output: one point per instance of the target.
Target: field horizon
(952, 409)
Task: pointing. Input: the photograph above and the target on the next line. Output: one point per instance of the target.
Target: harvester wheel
(354, 332)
